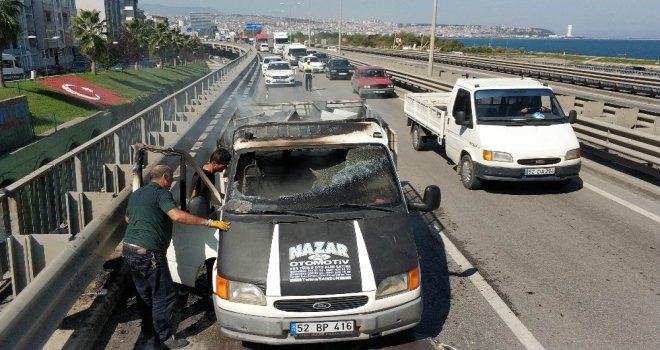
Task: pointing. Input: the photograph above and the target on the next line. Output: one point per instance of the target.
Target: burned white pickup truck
(320, 247)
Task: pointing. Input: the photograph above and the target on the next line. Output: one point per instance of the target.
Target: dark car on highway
(322, 56)
(339, 68)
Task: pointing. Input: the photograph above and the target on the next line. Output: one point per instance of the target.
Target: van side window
(462, 103)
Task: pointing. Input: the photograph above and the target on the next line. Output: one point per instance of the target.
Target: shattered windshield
(517, 105)
(309, 178)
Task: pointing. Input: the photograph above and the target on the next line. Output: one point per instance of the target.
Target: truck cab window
(463, 103)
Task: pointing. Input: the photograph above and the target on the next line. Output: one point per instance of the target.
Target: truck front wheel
(417, 138)
(469, 180)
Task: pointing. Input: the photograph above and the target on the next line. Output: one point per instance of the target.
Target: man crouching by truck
(149, 215)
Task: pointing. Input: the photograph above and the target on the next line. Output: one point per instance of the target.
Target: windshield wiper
(278, 212)
(359, 206)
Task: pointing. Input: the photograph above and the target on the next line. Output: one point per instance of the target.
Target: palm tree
(159, 42)
(136, 34)
(90, 32)
(177, 43)
(9, 27)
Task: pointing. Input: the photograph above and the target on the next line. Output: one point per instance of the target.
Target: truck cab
(320, 248)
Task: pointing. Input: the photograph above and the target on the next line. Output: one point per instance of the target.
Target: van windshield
(517, 105)
(306, 178)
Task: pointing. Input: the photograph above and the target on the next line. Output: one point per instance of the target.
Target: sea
(618, 48)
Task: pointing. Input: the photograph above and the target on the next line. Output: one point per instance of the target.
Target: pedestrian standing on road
(309, 75)
(149, 214)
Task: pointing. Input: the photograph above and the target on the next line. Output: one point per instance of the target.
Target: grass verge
(50, 107)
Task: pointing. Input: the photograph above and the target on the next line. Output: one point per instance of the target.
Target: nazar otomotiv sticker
(83, 90)
(319, 258)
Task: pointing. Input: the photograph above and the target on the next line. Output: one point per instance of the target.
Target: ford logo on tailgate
(321, 305)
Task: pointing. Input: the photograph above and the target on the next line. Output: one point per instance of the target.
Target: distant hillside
(173, 11)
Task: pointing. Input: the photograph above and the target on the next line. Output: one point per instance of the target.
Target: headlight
(390, 85)
(367, 86)
(496, 156)
(333, 71)
(398, 283)
(573, 154)
(239, 292)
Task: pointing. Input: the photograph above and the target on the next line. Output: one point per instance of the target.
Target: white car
(316, 63)
(279, 73)
(267, 60)
(264, 47)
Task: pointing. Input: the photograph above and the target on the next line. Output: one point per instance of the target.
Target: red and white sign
(83, 90)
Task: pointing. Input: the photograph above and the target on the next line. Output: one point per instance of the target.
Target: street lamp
(291, 12)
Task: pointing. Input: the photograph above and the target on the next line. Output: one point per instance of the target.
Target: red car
(371, 80)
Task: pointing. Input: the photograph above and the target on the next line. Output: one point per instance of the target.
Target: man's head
(219, 159)
(162, 175)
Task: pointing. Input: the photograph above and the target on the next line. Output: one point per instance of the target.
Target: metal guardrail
(640, 149)
(86, 190)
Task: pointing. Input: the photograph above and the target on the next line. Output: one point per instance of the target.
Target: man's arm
(183, 217)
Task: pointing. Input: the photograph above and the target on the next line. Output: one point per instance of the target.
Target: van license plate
(322, 329)
(539, 171)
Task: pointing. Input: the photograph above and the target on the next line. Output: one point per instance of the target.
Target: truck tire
(469, 180)
(417, 138)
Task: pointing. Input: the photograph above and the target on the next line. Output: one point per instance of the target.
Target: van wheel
(417, 138)
(469, 180)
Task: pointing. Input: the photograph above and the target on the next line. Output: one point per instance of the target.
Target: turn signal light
(221, 287)
(413, 278)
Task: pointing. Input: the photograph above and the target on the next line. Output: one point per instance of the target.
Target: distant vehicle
(371, 80)
(317, 65)
(279, 40)
(79, 66)
(263, 47)
(332, 48)
(323, 57)
(267, 60)
(339, 68)
(293, 52)
(53, 69)
(10, 68)
(117, 67)
(148, 63)
(279, 73)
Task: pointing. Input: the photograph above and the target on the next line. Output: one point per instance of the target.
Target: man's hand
(219, 224)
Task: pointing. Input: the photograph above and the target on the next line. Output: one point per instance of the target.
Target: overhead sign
(253, 26)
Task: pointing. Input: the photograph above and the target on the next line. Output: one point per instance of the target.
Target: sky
(590, 18)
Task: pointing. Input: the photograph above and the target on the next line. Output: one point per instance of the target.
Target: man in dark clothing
(218, 162)
(149, 214)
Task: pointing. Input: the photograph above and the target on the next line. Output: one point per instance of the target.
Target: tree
(159, 42)
(135, 38)
(90, 32)
(10, 10)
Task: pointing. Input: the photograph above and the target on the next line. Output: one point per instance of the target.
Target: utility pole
(340, 20)
(432, 45)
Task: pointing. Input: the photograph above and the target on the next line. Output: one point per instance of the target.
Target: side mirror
(430, 202)
(461, 119)
(572, 116)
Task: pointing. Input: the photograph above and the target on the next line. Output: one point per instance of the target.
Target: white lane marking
(515, 325)
(625, 203)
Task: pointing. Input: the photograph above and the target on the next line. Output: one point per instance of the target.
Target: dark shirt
(148, 224)
(200, 187)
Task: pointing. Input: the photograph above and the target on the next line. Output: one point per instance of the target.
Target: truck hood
(317, 257)
(529, 141)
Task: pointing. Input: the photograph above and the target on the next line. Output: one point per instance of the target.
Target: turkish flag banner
(83, 90)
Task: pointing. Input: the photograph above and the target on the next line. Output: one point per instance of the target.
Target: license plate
(539, 171)
(379, 92)
(322, 329)
(343, 73)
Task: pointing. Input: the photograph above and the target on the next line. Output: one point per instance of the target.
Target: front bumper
(275, 330)
(377, 91)
(287, 81)
(518, 174)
